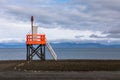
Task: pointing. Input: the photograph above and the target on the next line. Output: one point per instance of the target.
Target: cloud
(114, 36)
(74, 17)
(12, 29)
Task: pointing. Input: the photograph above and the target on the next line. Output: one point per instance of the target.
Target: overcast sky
(89, 21)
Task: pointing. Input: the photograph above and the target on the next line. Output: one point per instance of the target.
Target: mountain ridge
(63, 45)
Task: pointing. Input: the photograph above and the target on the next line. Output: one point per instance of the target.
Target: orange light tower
(35, 43)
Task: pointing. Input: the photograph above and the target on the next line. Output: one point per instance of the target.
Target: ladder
(52, 52)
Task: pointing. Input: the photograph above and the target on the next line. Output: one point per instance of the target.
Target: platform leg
(32, 51)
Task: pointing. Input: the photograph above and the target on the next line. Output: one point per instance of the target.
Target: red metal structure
(35, 44)
(36, 39)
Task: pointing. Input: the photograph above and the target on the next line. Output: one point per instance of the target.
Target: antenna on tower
(32, 20)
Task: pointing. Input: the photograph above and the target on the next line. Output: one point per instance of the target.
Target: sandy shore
(60, 70)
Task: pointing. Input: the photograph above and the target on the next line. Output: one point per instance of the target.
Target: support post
(32, 51)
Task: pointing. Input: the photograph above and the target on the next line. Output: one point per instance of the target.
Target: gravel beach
(46, 75)
(21, 70)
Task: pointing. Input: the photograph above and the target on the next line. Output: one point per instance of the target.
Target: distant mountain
(63, 45)
(84, 45)
(12, 45)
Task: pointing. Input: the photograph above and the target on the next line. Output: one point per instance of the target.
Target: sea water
(64, 53)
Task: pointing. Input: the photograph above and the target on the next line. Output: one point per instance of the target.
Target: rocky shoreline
(60, 70)
(60, 65)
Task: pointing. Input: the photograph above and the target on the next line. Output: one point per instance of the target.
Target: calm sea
(65, 53)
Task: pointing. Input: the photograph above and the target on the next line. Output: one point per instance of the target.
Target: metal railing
(36, 39)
